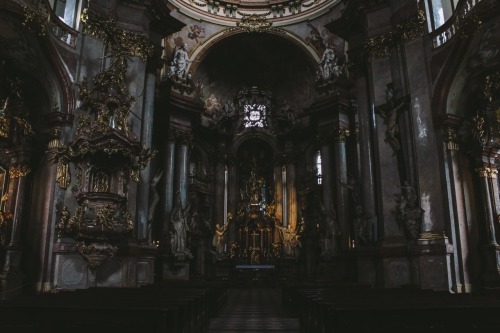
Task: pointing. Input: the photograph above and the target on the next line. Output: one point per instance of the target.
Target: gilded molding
(127, 42)
(18, 171)
(491, 87)
(63, 175)
(382, 45)
(478, 128)
(254, 23)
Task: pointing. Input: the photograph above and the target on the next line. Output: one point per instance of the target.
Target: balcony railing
(455, 23)
(42, 14)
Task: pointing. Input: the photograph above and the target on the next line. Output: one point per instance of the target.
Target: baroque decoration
(408, 212)
(105, 152)
(381, 46)
(486, 122)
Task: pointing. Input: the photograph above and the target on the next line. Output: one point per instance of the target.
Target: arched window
(439, 11)
(319, 171)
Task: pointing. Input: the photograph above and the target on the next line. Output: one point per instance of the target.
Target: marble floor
(253, 310)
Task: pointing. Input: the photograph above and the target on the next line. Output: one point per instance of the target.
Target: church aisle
(253, 310)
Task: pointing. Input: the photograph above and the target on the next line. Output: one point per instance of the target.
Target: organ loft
(322, 142)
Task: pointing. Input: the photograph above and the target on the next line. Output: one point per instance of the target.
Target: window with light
(254, 115)
(318, 167)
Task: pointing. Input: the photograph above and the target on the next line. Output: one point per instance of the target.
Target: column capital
(450, 124)
(487, 172)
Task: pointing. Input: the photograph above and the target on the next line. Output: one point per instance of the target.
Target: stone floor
(253, 310)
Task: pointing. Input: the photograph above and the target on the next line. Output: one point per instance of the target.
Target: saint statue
(179, 230)
(218, 240)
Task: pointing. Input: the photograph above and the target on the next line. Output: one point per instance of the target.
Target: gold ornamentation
(255, 23)
(63, 175)
(96, 253)
(379, 46)
(382, 46)
(37, 20)
(5, 218)
(126, 42)
(341, 134)
(491, 87)
(483, 172)
(478, 128)
(63, 222)
(101, 182)
(19, 171)
(469, 25)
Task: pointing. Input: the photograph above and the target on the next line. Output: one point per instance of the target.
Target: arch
(26, 48)
(202, 50)
(269, 139)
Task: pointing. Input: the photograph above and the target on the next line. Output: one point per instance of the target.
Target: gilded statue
(290, 239)
(218, 240)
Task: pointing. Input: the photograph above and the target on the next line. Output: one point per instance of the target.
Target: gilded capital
(19, 171)
(484, 172)
(341, 134)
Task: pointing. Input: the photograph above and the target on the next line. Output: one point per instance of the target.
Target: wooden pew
(391, 310)
(163, 308)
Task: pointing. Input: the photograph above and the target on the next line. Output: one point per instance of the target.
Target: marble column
(339, 151)
(145, 174)
(182, 167)
(47, 179)
(486, 174)
(220, 186)
(11, 278)
(456, 206)
(326, 174)
(291, 193)
(168, 186)
(491, 250)
(424, 136)
(279, 174)
(367, 187)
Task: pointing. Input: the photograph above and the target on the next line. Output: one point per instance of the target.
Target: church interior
(249, 165)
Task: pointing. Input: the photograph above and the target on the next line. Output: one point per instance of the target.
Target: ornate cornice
(381, 46)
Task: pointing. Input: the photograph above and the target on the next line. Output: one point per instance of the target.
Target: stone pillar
(456, 206)
(278, 192)
(491, 250)
(145, 174)
(291, 190)
(367, 187)
(220, 171)
(11, 278)
(182, 167)
(327, 176)
(486, 173)
(47, 177)
(168, 186)
(342, 198)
